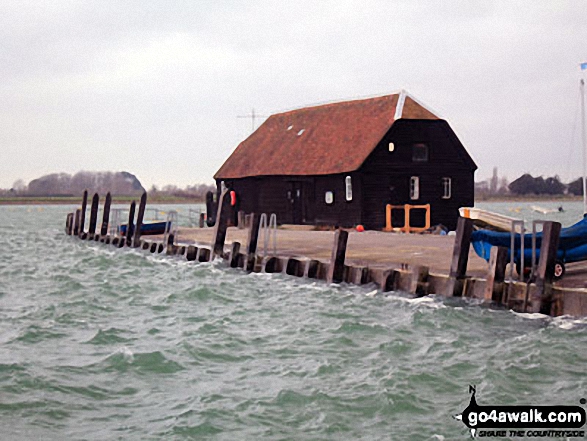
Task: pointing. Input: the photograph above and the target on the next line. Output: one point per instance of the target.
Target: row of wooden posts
(417, 280)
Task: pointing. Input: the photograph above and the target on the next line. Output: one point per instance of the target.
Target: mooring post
(336, 268)
(69, 224)
(169, 245)
(94, 215)
(211, 209)
(76, 219)
(252, 239)
(221, 225)
(541, 298)
(82, 219)
(106, 215)
(460, 257)
(192, 253)
(140, 216)
(202, 220)
(234, 251)
(417, 281)
(130, 227)
(496, 274)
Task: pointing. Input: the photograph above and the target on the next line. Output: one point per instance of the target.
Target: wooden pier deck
(373, 249)
(416, 264)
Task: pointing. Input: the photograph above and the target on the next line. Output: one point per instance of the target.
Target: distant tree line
(117, 183)
(197, 191)
(529, 185)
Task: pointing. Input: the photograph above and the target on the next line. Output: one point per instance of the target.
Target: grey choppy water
(98, 343)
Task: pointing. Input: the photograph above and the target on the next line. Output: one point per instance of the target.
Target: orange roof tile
(320, 140)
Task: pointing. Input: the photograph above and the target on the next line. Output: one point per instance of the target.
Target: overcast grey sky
(155, 87)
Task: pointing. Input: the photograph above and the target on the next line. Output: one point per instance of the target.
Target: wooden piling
(221, 225)
(240, 216)
(130, 228)
(233, 256)
(541, 298)
(295, 267)
(191, 253)
(336, 268)
(418, 279)
(69, 224)
(76, 221)
(311, 268)
(202, 220)
(203, 255)
(496, 274)
(170, 244)
(82, 219)
(359, 275)
(141, 214)
(94, 215)
(460, 257)
(211, 209)
(106, 215)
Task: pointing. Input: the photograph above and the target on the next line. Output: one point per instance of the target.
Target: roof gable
(320, 140)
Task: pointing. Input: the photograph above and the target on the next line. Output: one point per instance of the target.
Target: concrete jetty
(414, 263)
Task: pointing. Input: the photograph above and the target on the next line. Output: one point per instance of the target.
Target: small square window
(420, 152)
(391, 146)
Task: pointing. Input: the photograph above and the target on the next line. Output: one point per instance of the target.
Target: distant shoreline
(530, 198)
(76, 200)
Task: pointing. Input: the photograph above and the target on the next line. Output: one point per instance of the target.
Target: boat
(543, 210)
(572, 246)
(488, 219)
(148, 229)
(572, 240)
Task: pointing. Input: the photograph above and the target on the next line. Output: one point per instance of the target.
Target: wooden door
(295, 196)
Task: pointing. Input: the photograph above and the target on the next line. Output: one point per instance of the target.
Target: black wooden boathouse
(342, 163)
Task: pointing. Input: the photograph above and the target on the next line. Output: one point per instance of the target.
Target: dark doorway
(295, 197)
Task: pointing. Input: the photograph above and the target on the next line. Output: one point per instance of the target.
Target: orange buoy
(360, 228)
(233, 198)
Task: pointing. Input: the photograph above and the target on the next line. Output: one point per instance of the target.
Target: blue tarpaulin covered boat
(572, 244)
(152, 228)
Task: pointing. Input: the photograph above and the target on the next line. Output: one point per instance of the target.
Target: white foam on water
(127, 354)
(530, 315)
(567, 322)
(428, 301)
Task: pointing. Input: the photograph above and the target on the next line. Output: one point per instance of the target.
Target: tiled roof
(320, 140)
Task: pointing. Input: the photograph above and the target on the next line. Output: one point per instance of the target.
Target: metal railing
(267, 229)
(117, 214)
(171, 226)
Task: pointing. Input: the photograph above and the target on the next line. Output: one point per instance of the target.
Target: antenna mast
(253, 116)
(584, 136)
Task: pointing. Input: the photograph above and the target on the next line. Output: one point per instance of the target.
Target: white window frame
(329, 197)
(348, 185)
(446, 188)
(415, 187)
